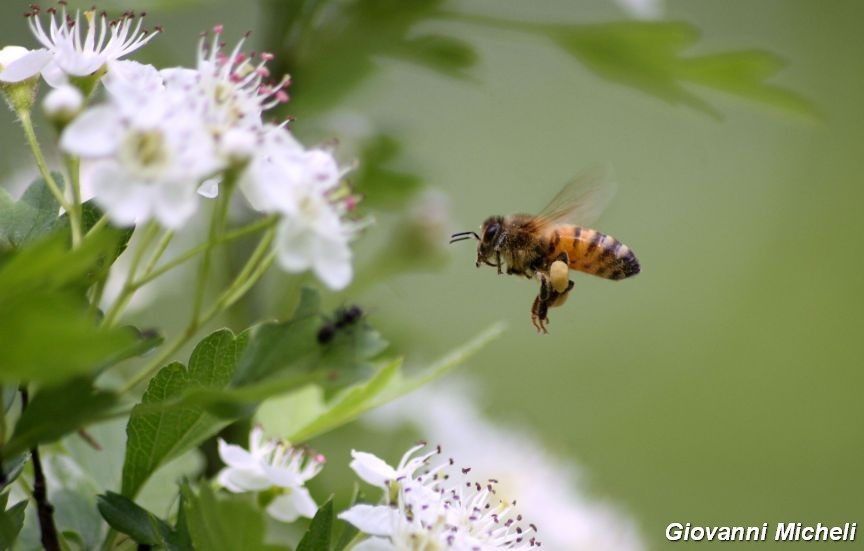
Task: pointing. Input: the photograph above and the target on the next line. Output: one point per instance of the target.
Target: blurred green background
(719, 387)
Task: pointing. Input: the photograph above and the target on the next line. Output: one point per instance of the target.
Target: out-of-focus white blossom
(68, 51)
(429, 503)
(63, 103)
(643, 9)
(546, 488)
(275, 467)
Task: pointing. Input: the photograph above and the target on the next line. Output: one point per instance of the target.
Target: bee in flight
(550, 244)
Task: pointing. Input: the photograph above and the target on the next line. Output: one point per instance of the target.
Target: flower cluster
(272, 467)
(165, 140)
(548, 488)
(431, 504)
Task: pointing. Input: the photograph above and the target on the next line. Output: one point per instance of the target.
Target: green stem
(97, 227)
(259, 225)
(157, 254)
(251, 272)
(150, 231)
(73, 165)
(217, 227)
(27, 125)
(2, 423)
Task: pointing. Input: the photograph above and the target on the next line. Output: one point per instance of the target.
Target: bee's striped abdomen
(593, 252)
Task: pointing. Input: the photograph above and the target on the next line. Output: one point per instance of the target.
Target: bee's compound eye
(490, 232)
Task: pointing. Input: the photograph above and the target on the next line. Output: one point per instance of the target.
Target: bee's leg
(545, 288)
(538, 315)
(498, 260)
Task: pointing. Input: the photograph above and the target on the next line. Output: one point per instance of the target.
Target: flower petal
(26, 66)
(243, 480)
(376, 520)
(297, 503)
(375, 544)
(95, 133)
(235, 456)
(175, 203)
(372, 469)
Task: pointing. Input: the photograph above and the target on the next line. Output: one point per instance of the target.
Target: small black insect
(344, 317)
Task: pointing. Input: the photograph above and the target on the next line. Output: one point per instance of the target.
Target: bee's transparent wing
(581, 200)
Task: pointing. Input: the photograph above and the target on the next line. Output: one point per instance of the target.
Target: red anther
(267, 56)
(282, 96)
(218, 29)
(159, 28)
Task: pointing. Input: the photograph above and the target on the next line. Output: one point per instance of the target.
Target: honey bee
(548, 245)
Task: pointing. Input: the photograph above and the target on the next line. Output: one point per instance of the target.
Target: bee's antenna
(462, 236)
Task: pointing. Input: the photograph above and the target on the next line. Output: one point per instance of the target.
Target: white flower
(303, 187)
(313, 236)
(159, 154)
(377, 472)
(434, 505)
(272, 466)
(68, 52)
(547, 489)
(230, 90)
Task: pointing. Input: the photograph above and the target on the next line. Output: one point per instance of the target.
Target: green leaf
(12, 469)
(46, 332)
(317, 537)
(381, 183)
(31, 218)
(650, 56)
(90, 214)
(348, 405)
(57, 410)
(273, 346)
(11, 521)
(156, 435)
(307, 413)
(349, 531)
(227, 523)
(125, 516)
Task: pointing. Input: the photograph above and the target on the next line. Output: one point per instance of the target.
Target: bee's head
(489, 235)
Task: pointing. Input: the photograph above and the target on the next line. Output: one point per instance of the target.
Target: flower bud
(17, 83)
(63, 104)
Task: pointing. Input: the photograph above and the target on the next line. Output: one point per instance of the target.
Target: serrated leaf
(33, 217)
(318, 535)
(57, 410)
(11, 521)
(124, 515)
(224, 523)
(154, 436)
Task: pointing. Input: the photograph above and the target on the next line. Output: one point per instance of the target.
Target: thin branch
(50, 540)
